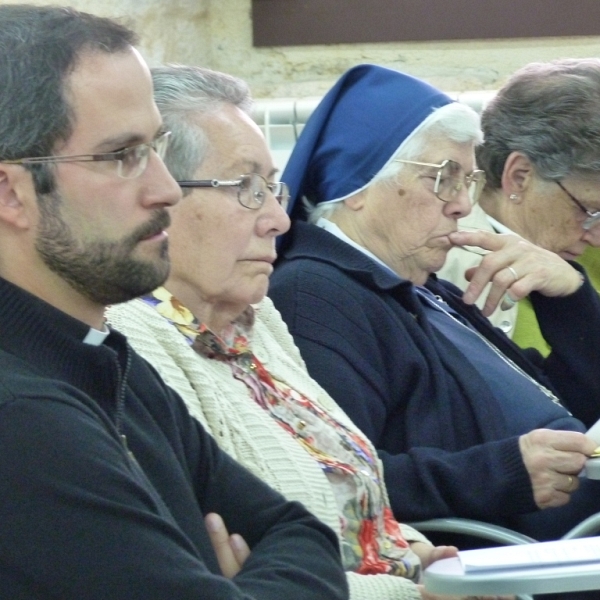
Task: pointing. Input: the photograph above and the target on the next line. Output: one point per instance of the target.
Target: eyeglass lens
(592, 218)
(451, 178)
(254, 188)
(134, 160)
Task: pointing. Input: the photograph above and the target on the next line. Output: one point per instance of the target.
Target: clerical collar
(95, 337)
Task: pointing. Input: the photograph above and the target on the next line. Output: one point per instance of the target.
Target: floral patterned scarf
(372, 539)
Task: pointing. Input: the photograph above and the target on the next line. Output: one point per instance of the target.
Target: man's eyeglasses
(130, 162)
(592, 217)
(451, 178)
(252, 189)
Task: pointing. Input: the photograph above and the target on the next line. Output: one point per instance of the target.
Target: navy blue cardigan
(82, 518)
(448, 447)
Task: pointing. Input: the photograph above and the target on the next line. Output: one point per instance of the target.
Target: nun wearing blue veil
(466, 423)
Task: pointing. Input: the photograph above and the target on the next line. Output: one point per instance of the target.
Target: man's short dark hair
(39, 48)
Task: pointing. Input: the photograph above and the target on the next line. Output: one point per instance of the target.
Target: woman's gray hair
(182, 93)
(551, 113)
(454, 122)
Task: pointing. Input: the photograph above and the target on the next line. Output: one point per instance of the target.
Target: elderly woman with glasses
(541, 157)
(217, 340)
(466, 423)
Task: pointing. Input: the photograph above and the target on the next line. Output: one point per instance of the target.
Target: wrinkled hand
(553, 460)
(231, 550)
(531, 269)
(429, 554)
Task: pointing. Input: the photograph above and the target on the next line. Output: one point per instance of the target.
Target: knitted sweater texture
(242, 428)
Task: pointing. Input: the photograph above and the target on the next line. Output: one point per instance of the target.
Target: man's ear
(517, 175)
(16, 196)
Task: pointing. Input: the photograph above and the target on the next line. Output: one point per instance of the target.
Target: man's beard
(105, 272)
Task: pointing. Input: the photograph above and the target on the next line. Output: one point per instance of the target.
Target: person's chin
(259, 290)
(444, 246)
(438, 261)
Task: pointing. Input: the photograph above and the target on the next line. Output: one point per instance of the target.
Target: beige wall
(218, 34)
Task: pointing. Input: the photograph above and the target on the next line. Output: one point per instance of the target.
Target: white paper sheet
(594, 432)
(542, 554)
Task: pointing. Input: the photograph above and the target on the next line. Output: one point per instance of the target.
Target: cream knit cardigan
(242, 428)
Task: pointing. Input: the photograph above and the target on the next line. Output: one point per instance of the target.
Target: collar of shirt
(499, 227)
(335, 230)
(95, 337)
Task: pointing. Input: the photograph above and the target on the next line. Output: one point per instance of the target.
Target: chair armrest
(586, 528)
(480, 529)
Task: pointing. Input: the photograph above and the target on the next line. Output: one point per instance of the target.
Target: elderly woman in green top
(541, 158)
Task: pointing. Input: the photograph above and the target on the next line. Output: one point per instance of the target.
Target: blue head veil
(354, 131)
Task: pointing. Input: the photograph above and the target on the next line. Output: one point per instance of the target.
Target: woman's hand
(515, 268)
(231, 550)
(553, 460)
(429, 554)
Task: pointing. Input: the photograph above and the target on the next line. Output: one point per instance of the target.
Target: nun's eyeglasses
(451, 178)
(252, 189)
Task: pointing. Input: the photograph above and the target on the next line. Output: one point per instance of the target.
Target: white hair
(455, 122)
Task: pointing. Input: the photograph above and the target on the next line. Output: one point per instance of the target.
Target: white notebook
(594, 432)
(541, 554)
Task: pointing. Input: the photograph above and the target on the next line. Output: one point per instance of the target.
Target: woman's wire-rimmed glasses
(252, 189)
(592, 217)
(131, 162)
(451, 178)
